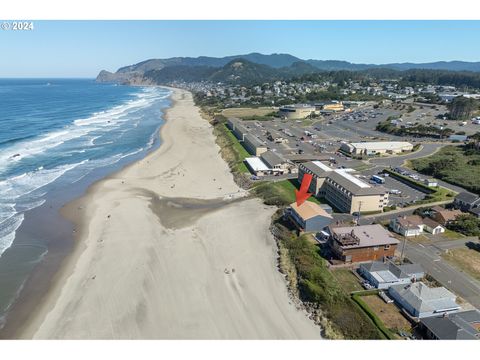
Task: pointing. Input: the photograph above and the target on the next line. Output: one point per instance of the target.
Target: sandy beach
(169, 248)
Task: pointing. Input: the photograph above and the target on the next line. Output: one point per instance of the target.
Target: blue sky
(83, 48)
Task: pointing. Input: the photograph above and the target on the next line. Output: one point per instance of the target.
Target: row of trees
(462, 108)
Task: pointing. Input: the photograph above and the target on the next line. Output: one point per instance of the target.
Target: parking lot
(407, 196)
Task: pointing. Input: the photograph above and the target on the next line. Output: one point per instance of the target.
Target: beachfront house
(382, 275)
(421, 301)
(308, 217)
(463, 325)
(361, 243)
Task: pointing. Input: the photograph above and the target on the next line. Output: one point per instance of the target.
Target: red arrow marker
(302, 195)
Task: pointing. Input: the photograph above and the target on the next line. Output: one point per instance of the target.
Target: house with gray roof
(382, 275)
(254, 145)
(421, 301)
(466, 201)
(463, 325)
(277, 162)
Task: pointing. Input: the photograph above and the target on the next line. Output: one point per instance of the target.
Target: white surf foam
(80, 127)
(8, 230)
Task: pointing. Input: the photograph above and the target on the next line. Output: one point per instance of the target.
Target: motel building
(342, 189)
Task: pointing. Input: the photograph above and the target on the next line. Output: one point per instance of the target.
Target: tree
(462, 108)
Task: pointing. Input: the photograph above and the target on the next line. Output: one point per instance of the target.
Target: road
(429, 256)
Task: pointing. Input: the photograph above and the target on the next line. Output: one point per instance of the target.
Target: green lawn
(348, 281)
(458, 165)
(238, 151)
(450, 234)
(280, 193)
(317, 284)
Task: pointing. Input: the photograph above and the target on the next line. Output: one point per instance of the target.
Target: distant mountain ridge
(273, 65)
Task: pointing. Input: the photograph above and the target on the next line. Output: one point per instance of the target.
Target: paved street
(452, 278)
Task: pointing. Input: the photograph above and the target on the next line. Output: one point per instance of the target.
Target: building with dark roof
(463, 325)
(382, 275)
(253, 145)
(277, 163)
(466, 201)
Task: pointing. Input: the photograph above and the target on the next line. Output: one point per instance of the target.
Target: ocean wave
(20, 150)
(8, 231)
(21, 185)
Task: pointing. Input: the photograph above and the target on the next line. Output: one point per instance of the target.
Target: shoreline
(61, 249)
(48, 320)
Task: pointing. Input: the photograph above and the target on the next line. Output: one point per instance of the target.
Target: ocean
(57, 133)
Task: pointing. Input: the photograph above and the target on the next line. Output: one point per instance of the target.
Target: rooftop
(390, 272)
(308, 210)
(426, 299)
(271, 158)
(317, 168)
(410, 221)
(463, 325)
(380, 145)
(355, 185)
(298, 106)
(256, 164)
(467, 197)
(252, 139)
(430, 222)
(364, 236)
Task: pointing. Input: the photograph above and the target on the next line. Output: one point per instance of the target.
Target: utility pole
(404, 242)
(358, 214)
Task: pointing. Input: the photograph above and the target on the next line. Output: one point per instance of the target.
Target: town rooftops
(390, 272)
(317, 168)
(272, 159)
(298, 106)
(362, 236)
(381, 145)
(353, 184)
(256, 164)
(430, 222)
(446, 214)
(412, 220)
(463, 325)
(255, 141)
(467, 197)
(426, 299)
(308, 210)
(242, 128)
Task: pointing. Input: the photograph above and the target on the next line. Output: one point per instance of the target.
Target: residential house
(463, 325)
(466, 201)
(407, 225)
(382, 275)
(432, 226)
(444, 216)
(309, 216)
(361, 243)
(421, 301)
